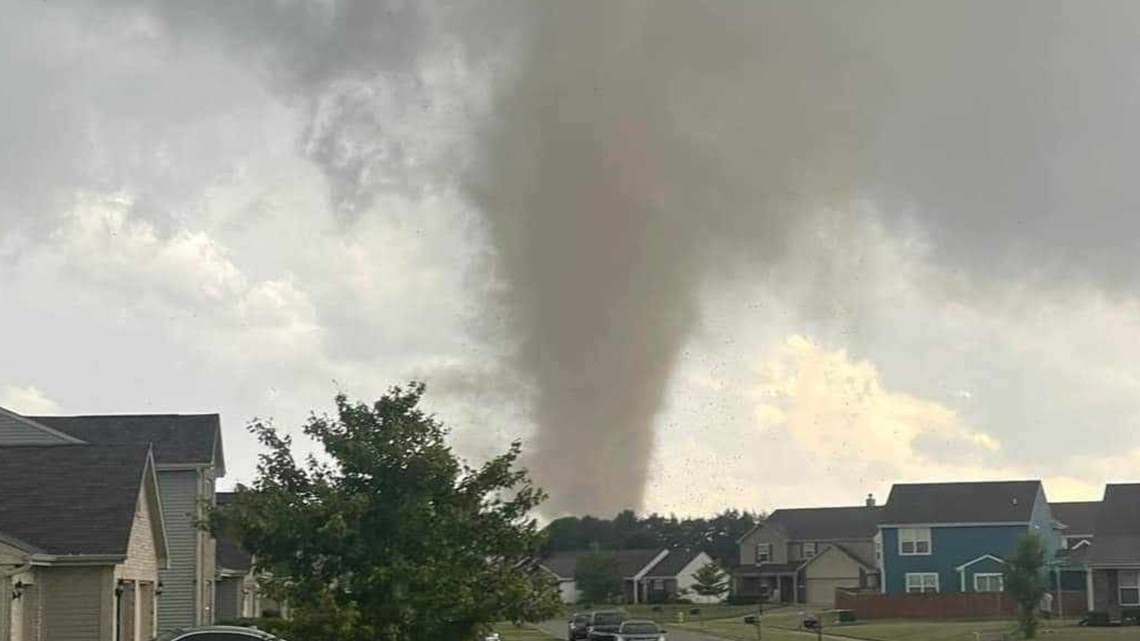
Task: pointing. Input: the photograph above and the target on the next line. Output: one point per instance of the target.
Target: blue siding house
(952, 537)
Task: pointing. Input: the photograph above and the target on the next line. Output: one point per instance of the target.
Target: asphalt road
(558, 629)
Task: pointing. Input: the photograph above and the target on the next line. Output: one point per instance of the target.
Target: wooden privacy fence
(944, 605)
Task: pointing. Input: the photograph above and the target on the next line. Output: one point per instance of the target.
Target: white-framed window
(763, 553)
(914, 541)
(1129, 587)
(809, 549)
(918, 582)
(988, 583)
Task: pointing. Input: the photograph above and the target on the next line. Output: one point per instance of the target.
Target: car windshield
(607, 618)
(639, 628)
(581, 618)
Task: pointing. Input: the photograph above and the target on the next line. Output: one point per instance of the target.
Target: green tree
(596, 577)
(386, 534)
(1024, 578)
(711, 580)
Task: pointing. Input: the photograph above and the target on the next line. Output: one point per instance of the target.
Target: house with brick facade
(82, 542)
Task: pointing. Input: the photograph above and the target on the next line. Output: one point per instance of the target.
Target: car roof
(228, 629)
(638, 622)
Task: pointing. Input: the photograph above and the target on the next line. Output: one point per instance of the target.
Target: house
(649, 575)
(1078, 519)
(188, 457)
(952, 537)
(237, 594)
(674, 576)
(82, 542)
(1113, 561)
(802, 555)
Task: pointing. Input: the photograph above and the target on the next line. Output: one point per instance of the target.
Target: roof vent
(870, 500)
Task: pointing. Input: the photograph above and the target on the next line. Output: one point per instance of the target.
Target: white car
(219, 633)
(640, 631)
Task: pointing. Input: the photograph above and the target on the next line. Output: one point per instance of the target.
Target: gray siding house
(81, 543)
(189, 459)
(237, 594)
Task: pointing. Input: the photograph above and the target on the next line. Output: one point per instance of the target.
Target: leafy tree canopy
(388, 535)
(596, 577)
(716, 535)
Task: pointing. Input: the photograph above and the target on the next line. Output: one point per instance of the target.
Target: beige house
(82, 541)
(779, 557)
(237, 594)
(189, 459)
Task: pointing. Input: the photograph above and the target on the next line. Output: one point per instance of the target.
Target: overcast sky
(246, 209)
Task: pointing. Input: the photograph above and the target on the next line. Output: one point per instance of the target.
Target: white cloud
(26, 399)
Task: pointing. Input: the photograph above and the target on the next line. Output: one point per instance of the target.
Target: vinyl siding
(764, 534)
(16, 432)
(177, 606)
(1041, 523)
(78, 604)
(950, 547)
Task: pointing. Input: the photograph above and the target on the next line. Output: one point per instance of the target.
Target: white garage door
(822, 591)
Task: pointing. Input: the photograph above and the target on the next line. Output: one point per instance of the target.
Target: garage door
(822, 591)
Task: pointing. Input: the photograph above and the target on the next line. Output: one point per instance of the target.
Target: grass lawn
(511, 632)
(779, 627)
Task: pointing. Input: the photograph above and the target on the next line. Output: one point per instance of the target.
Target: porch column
(1089, 589)
(796, 588)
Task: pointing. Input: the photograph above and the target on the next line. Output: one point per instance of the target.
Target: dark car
(578, 626)
(604, 625)
(219, 633)
(640, 631)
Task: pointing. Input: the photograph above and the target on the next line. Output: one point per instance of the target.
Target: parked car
(604, 625)
(639, 631)
(219, 633)
(578, 627)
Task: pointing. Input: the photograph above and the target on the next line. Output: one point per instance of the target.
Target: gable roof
(827, 523)
(672, 565)
(178, 439)
(1079, 517)
(72, 499)
(629, 562)
(1118, 527)
(838, 548)
(230, 555)
(972, 502)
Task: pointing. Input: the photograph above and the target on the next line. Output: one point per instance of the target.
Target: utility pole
(759, 613)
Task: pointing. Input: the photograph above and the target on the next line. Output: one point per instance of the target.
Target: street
(557, 627)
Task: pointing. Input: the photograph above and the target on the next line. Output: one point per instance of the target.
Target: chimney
(870, 500)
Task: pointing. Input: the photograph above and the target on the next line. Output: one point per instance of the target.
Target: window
(809, 550)
(763, 553)
(1129, 587)
(988, 583)
(657, 584)
(918, 582)
(914, 541)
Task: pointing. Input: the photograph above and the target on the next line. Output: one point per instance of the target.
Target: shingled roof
(629, 562)
(827, 523)
(671, 565)
(230, 555)
(72, 499)
(973, 502)
(1079, 517)
(178, 439)
(1118, 527)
